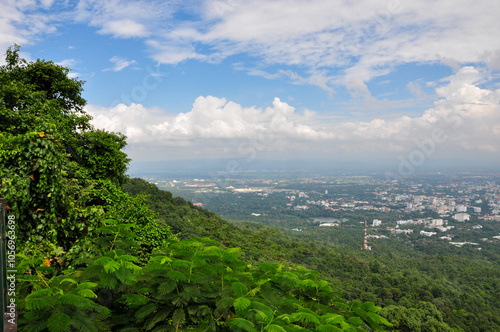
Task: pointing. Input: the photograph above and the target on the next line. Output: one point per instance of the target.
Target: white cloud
(124, 28)
(210, 118)
(364, 39)
(70, 63)
(465, 113)
(465, 116)
(334, 42)
(124, 18)
(119, 63)
(21, 24)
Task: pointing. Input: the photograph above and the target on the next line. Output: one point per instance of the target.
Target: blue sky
(337, 80)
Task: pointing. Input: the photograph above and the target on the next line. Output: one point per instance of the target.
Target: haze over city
(383, 82)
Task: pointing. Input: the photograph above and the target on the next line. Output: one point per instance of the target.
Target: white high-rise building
(461, 217)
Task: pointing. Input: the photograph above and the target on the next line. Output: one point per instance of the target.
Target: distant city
(449, 207)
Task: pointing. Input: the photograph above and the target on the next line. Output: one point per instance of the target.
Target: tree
(49, 151)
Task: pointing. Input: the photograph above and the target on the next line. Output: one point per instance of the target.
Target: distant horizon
(240, 167)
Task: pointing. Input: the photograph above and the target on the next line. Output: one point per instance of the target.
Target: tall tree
(49, 150)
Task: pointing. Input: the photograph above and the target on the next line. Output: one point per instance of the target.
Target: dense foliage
(94, 258)
(404, 274)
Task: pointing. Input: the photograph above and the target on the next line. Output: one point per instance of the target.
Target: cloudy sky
(400, 82)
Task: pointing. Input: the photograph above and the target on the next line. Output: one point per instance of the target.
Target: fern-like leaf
(36, 303)
(146, 311)
(239, 288)
(274, 328)
(176, 276)
(160, 317)
(178, 318)
(125, 276)
(243, 324)
(328, 328)
(241, 303)
(166, 287)
(304, 317)
(76, 301)
(88, 293)
(59, 322)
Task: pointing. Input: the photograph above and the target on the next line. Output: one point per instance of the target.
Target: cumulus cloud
(466, 117)
(465, 114)
(210, 118)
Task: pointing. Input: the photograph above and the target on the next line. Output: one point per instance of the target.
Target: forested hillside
(432, 287)
(91, 257)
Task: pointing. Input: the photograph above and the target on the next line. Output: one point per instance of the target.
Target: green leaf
(125, 276)
(88, 293)
(332, 319)
(239, 288)
(242, 324)
(136, 299)
(176, 276)
(264, 312)
(370, 307)
(178, 318)
(73, 281)
(355, 320)
(59, 322)
(144, 311)
(182, 263)
(378, 319)
(304, 317)
(241, 303)
(111, 266)
(108, 281)
(71, 299)
(35, 303)
(166, 287)
(328, 328)
(274, 328)
(87, 285)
